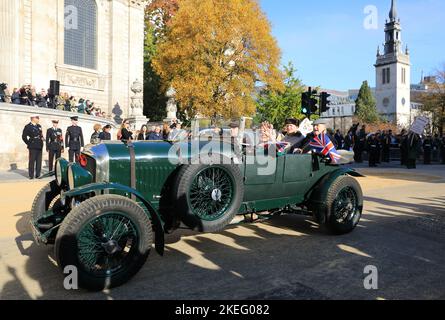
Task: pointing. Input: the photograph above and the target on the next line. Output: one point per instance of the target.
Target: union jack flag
(323, 145)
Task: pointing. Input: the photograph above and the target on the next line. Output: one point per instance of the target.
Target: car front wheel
(107, 238)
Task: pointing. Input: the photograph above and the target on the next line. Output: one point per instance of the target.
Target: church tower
(393, 74)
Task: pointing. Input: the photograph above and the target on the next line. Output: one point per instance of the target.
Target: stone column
(119, 84)
(9, 42)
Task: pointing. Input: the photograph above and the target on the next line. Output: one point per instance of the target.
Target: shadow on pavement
(288, 257)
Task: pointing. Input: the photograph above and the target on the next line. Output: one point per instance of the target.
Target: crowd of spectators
(378, 145)
(28, 95)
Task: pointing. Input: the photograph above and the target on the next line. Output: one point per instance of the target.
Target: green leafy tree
(434, 101)
(277, 106)
(365, 105)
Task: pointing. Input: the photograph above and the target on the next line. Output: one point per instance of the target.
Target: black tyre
(342, 205)
(208, 197)
(47, 198)
(108, 238)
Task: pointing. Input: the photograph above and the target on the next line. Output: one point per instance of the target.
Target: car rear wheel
(208, 197)
(108, 238)
(342, 205)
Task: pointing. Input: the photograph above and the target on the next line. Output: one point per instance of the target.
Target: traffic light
(309, 102)
(314, 106)
(324, 102)
(306, 104)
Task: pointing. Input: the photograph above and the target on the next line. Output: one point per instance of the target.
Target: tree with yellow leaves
(215, 53)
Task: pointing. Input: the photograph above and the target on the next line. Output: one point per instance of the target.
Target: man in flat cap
(320, 127)
(74, 139)
(54, 144)
(33, 137)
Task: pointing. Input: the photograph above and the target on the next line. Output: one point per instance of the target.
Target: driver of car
(320, 127)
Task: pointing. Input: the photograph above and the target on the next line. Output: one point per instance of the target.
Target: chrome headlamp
(78, 176)
(61, 172)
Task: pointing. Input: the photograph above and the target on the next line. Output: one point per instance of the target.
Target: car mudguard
(318, 193)
(47, 175)
(155, 217)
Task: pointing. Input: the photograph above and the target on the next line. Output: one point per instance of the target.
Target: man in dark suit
(54, 144)
(33, 137)
(74, 139)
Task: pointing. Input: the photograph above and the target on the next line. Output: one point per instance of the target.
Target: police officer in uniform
(386, 146)
(33, 137)
(74, 139)
(413, 142)
(54, 144)
(373, 150)
(403, 148)
(427, 150)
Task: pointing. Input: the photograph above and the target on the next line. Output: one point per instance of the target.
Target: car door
(297, 168)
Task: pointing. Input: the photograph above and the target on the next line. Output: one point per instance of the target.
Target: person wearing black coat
(105, 135)
(15, 97)
(74, 139)
(143, 133)
(412, 143)
(32, 136)
(54, 144)
(126, 134)
(42, 101)
(427, 150)
(403, 144)
(373, 150)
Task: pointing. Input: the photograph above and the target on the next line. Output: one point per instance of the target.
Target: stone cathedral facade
(93, 47)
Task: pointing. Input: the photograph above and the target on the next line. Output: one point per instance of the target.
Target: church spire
(393, 12)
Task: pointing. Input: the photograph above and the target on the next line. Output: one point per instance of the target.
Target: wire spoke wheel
(345, 205)
(107, 243)
(211, 193)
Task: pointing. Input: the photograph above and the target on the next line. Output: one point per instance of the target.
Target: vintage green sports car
(104, 213)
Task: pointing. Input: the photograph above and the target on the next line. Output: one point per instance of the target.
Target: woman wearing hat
(293, 135)
(105, 135)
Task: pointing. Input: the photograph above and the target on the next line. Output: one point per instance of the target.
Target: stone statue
(136, 117)
(137, 103)
(172, 108)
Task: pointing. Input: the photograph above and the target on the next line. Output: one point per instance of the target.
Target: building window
(403, 75)
(386, 75)
(80, 45)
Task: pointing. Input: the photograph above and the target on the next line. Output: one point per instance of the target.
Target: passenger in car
(293, 135)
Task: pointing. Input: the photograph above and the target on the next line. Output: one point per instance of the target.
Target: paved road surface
(402, 233)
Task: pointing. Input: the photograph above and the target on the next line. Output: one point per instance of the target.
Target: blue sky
(328, 44)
